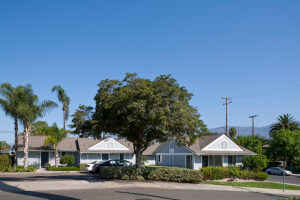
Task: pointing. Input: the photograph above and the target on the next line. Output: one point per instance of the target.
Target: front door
(44, 159)
(189, 161)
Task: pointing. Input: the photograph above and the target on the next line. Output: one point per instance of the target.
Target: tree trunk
(138, 156)
(64, 111)
(26, 134)
(56, 156)
(16, 144)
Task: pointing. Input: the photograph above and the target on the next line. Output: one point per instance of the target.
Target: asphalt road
(287, 179)
(134, 194)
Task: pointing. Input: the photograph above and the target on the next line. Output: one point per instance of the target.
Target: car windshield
(94, 162)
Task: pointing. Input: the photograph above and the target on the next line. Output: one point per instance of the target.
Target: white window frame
(222, 144)
(159, 158)
(112, 145)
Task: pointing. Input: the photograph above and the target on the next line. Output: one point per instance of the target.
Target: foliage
(31, 169)
(173, 174)
(4, 162)
(142, 111)
(63, 169)
(36, 130)
(261, 184)
(55, 136)
(68, 160)
(285, 121)
(253, 143)
(255, 163)
(216, 173)
(82, 166)
(284, 144)
(82, 121)
(291, 198)
(232, 132)
(21, 169)
(64, 99)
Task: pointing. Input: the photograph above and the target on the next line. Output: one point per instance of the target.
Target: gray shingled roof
(36, 143)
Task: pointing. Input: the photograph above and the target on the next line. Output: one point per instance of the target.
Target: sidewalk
(100, 184)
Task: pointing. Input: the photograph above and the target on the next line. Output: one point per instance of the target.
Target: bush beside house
(158, 174)
(67, 160)
(217, 173)
(52, 168)
(4, 162)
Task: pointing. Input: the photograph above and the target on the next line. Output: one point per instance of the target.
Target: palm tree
(285, 121)
(12, 104)
(32, 110)
(55, 136)
(64, 99)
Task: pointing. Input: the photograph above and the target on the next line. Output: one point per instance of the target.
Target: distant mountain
(244, 130)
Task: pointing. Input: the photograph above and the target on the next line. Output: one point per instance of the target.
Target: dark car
(113, 163)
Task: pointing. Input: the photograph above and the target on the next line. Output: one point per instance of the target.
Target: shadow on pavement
(147, 195)
(11, 189)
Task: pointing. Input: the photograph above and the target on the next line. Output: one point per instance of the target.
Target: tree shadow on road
(15, 190)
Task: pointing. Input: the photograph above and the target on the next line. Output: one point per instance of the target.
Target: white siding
(103, 145)
(33, 159)
(216, 145)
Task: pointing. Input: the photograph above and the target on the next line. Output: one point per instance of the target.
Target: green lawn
(269, 185)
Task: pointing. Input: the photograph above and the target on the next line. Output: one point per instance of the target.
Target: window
(105, 156)
(223, 145)
(110, 145)
(64, 153)
(231, 160)
(171, 145)
(159, 158)
(121, 156)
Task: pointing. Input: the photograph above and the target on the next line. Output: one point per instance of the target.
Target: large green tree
(285, 121)
(82, 121)
(55, 136)
(251, 142)
(142, 111)
(12, 103)
(35, 128)
(284, 145)
(64, 99)
(32, 110)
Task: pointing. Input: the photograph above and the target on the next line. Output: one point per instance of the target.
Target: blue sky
(248, 50)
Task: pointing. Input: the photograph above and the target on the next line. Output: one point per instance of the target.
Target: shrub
(4, 162)
(291, 198)
(63, 169)
(31, 169)
(215, 173)
(255, 163)
(19, 169)
(157, 174)
(67, 160)
(82, 166)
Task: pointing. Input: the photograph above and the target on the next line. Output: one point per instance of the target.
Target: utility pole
(253, 116)
(226, 103)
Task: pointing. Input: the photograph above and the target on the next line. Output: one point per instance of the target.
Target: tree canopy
(142, 111)
(285, 145)
(232, 132)
(82, 121)
(285, 121)
(251, 142)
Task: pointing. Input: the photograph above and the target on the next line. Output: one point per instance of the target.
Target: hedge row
(4, 162)
(157, 174)
(63, 169)
(217, 173)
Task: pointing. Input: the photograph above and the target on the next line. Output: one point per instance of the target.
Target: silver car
(278, 171)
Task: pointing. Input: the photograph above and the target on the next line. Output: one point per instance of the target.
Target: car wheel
(269, 173)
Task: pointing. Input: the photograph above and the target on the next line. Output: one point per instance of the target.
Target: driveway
(287, 179)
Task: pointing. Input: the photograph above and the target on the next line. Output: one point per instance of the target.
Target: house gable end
(178, 149)
(222, 143)
(109, 144)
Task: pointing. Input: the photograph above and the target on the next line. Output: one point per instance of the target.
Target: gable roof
(36, 143)
(205, 140)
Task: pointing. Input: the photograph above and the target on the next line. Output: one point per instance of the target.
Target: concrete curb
(99, 184)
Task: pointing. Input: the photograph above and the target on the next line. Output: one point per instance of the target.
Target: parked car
(117, 163)
(89, 166)
(278, 171)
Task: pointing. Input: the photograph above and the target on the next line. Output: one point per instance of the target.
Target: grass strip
(269, 185)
